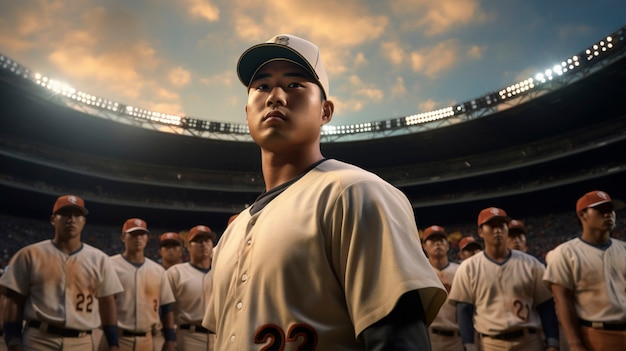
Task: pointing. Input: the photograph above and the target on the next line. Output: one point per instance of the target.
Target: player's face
(200, 248)
(171, 252)
(469, 251)
(601, 218)
(135, 241)
(516, 242)
(436, 246)
(68, 223)
(494, 232)
(285, 110)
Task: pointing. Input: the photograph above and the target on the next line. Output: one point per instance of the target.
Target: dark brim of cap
(617, 204)
(506, 218)
(435, 235)
(255, 57)
(82, 209)
(170, 241)
(475, 244)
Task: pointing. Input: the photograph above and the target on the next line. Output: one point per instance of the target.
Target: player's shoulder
(150, 263)
(525, 257)
(346, 171)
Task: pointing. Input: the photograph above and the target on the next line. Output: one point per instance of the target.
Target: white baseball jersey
(324, 260)
(597, 277)
(61, 289)
(146, 288)
(187, 283)
(504, 295)
(446, 318)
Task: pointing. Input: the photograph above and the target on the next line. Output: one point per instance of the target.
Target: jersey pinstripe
(61, 289)
(322, 261)
(597, 277)
(505, 295)
(146, 288)
(187, 284)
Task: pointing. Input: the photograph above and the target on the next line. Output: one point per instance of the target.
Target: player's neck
(134, 256)
(279, 168)
(67, 246)
(203, 263)
(497, 253)
(596, 237)
(438, 262)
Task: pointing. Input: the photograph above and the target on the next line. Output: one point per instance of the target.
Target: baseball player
(517, 236)
(502, 290)
(587, 276)
(328, 257)
(170, 249)
(147, 297)
(61, 288)
(187, 281)
(468, 247)
(444, 331)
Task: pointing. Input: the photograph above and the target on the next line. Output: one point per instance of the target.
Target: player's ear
(328, 107)
(52, 219)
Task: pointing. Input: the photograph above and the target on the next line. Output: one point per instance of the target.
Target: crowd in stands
(543, 234)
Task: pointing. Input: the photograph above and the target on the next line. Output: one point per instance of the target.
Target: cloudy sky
(385, 59)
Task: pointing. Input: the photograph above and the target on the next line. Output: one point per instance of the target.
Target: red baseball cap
(434, 230)
(595, 198)
(134, 224)
(468, 240)
(69, 201)
(170, 237)
(517, 226)
(200, 229)
(490, 213)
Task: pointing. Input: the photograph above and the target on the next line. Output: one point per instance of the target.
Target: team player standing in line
(444, 331)
(499, 293)
(468, 247)
(517, 236)
(188, 284)
(587, 276)
(328, 257)
(63, 288)
(147, 297)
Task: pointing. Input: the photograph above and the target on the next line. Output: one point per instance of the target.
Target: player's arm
(549, 323)
(465, 320)
(13, 308)
(400, 330)
(169, 333)
(108, 319)
(566, 312)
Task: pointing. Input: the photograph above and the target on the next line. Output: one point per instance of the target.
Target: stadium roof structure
(598, 55)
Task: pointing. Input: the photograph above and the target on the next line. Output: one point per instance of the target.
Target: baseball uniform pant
(190, 340)
(34, 339)
(448, 340)
(603, 340)
(526, 342)
(158, 340)
(136, 343)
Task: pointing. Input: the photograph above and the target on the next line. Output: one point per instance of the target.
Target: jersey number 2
(277, 337)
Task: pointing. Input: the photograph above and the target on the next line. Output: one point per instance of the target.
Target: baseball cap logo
(72, 199)
(283, 40)
(494, 211)
(138, 222)
(602, 195)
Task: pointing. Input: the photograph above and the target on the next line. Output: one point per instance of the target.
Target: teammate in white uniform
(147, 297)
(517, 236)
(444, 331)
(328, 257)
(62, 288)
(502, 290)
(587, 276)
(188, 281)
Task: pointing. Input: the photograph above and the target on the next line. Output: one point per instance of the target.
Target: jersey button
(239, 305)
(244, 277)
(232, 338)
(249, 241)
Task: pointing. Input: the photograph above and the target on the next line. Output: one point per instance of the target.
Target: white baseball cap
(283, 47)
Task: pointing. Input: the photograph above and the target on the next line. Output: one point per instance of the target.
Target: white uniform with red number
(325, 259)
(188, 284)
(61, 289)
(504, 294)
(146, 288)
(597, 278)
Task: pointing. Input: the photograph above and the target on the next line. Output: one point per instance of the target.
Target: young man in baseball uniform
(444, 331)
(170, 249)
(499, 293)
(468, 247)
(587, 276)
(62, 288)
(188, 283)
(517, 236)
(147, 297)
(328, 257)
